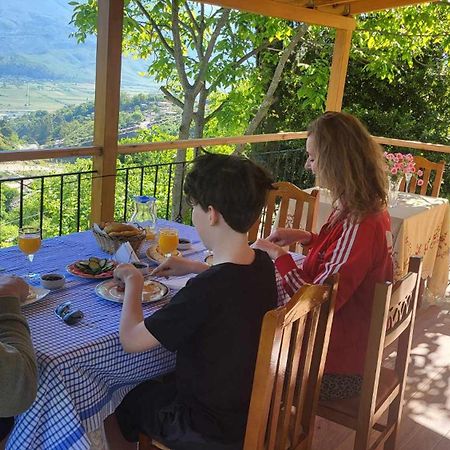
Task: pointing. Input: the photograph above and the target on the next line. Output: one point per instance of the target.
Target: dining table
(420, 226)
(83, 371)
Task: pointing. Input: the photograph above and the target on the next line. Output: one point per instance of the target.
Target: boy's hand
(175, 266)
(273, 250)
(287, 236)
(126, 273)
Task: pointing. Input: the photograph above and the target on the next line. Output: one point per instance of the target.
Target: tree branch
(155, 27)
(269, 96)
(200, 81)
(239, 62)
(215, 112)
(178, 50)
(171, 98)
(195, 30)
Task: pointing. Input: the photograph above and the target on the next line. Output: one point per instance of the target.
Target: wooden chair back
(291, 357)
(430, 180)
(392, 323)
(286, 203)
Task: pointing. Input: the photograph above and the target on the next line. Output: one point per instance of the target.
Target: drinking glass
(168, 241)
(30, 243)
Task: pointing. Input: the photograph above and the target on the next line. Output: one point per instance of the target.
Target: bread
(116, 227)
(125, 233)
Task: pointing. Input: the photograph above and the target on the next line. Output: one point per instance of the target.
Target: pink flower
(419, 182)
(394, 171)
(419, 174)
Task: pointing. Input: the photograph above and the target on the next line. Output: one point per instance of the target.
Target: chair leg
(362, 438)
(394, 416)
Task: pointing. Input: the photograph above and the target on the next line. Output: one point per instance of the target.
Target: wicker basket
(111, 244)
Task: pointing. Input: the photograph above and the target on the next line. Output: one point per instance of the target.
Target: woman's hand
(175, 266)
(288, 236)
(273, 250)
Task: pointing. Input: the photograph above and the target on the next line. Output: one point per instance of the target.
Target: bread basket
(111, 244)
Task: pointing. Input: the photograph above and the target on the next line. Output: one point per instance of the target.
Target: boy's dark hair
(234, 185)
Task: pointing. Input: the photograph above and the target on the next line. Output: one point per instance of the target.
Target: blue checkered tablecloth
(83, 371)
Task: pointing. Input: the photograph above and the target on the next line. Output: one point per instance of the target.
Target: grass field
(20, 97)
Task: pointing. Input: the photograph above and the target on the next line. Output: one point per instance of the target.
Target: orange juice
(168, 240)
(29, 244)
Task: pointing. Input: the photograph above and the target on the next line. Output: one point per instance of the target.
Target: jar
(145, 214)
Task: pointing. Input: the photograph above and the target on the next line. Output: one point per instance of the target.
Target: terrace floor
(426, 413)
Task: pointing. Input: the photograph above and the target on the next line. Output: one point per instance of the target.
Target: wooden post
(338, 72)
(107, 103)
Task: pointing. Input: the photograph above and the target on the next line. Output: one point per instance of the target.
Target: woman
(355, 242)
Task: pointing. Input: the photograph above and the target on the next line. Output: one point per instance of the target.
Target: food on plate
(95, 266)
(152, 291)
(31, 295)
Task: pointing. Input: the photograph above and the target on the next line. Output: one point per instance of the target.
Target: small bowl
(184, 244)
(52, 280)
(142, 267)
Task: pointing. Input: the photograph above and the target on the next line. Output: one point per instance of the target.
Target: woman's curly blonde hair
(349, 163)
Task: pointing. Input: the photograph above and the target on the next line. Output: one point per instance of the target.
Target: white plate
(154, 255)
(108, 290)
(36, 293)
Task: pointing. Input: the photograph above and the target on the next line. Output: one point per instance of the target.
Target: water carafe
(145, 214)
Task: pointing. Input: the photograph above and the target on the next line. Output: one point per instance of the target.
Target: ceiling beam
(362, 6)
(289, 11)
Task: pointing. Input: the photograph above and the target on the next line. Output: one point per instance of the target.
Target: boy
(213, 323)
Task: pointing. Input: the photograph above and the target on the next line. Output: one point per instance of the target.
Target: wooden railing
(95, 151)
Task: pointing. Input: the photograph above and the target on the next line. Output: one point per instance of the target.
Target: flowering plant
(400, 165)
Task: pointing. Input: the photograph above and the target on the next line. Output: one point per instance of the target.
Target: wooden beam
(207, 142)
(287, 10)
(362, 6)
(441, 148)
(107, 102)
(49, 153)
(338, 74)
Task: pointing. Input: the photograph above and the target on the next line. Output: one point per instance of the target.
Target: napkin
(125, 254)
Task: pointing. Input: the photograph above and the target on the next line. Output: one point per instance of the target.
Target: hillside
(36, 45)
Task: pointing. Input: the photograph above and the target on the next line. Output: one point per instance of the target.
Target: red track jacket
(362, 254)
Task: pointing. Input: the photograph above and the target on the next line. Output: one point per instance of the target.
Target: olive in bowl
(52, 280)
(142, 267)
(184, 244)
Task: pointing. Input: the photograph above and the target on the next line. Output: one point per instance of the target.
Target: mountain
(35, 43)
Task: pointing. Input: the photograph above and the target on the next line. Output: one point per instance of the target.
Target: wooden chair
(287, 203)
(382, 391)
(427, 167)
(291, 357)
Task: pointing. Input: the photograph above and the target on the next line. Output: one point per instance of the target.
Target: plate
(71, 268)
(156, 291)
(36, 294)
(154, 255)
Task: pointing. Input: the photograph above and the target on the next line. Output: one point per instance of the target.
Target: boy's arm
(176, 266)
(133, 334)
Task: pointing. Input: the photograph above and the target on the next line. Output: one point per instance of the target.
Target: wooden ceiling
(332, 13)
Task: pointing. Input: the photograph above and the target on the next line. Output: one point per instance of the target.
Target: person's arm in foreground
(18, 367)
(133, 334)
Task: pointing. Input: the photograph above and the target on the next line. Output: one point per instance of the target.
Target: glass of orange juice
(30, 243)
(168, 241)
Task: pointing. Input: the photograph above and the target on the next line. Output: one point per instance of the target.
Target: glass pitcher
(145, 214)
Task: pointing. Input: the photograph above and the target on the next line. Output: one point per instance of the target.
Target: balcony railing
(60, 203)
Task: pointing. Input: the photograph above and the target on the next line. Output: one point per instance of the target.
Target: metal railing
(60, 203)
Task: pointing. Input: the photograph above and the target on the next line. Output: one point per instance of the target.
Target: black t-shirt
(214, 324)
